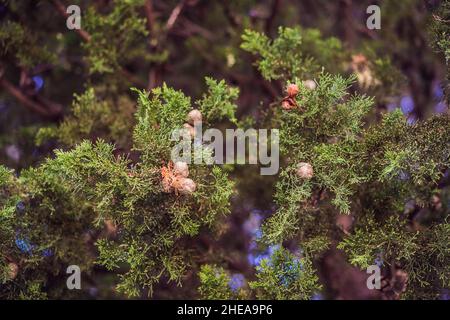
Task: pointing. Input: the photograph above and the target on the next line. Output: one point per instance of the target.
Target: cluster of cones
(175, 179)
(175, 176)
(195, 116)
(289, 102)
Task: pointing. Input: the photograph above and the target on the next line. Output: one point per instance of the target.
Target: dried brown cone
(194, 116)
(185, 186)
(174, 179)
(181, 169)
(190, 130)
(13, 270)
(292, 90)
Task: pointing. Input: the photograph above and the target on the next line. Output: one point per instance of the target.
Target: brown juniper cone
(292, 90)
(110, 228)
(190, 130)
(194, 116)
(186, 186)
(174, 179)
(13, 270)
(175, 176)
(167, 186)
(289, 102)
(181, 169)
(393, 287)
(305, 170)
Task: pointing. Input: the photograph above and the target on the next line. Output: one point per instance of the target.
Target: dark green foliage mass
(89, 185)
(440, 31)
(369, 172)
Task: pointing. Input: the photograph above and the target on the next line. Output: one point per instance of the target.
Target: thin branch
(190, 28)
(54, 110)
(174, 15)
(87, 37)
(273, 13)
(62, 10)
(152, 77)
(437, 18)
(150, 17)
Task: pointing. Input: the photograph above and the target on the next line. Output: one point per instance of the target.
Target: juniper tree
(384, 175)
(439, 31)
(107, 198)
(89, 186)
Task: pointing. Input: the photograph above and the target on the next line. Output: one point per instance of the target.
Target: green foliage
(88, 186)
(41, 249)
(219, 103)
(33, 291)
(429, 267)
(294, 53)
(23, 45)
(92, 118)
(214, 283)
(440, 32)
(285, 276)
(7, 208)
(423, 253)
(441, 29)
(114, 36)
(5, 174)
(391, 239)
(290, 195)
(282, 276)
(325, 132)
(358, 167)
(100, 199)
(157, 117)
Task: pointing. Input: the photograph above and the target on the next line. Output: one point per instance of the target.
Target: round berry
(181, 169)
(194, 116)
(187, 186)
(310, 84)
(292, 90)
(190, 130)
(13, 270)
(305, 170)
